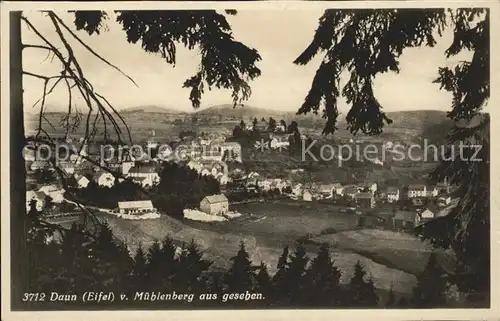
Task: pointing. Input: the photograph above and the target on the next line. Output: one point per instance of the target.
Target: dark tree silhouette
(431, 286)
(192, 267)
(254, 123)
(263, 280)
(280, 286)
(140, 264)
(322, 280)
(271, 124)
(295, 274)
(240, 276)
(362, 292)
(367, 43)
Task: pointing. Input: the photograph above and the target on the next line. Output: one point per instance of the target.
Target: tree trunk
(17, 165)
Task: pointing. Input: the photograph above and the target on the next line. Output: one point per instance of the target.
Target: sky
(279, 36)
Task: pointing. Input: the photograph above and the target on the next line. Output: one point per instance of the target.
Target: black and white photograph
(247, 158)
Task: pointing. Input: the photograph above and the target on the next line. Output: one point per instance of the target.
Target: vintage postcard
(288, 159)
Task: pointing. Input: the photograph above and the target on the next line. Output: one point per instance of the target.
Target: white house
(215, 204)
(418, 190)
(280, 128)
(205, 172)
(222, 178)
(37, 197)
(297, 191)
(227, 149)
(147, 175)
(444, 201)
(104, 179)
(338, 189)
(432, 191)
(371, 187)
(307, 196)
(37, 164)
(81, 181)
(265, 184)
(126, 166)
(424, 217)
(253, 175)
(327, 190)
(280, 183)
(29, 154)
(136, 207)
(392, 194)
(67, 167)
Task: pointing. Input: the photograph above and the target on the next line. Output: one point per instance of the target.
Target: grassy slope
(264, 240)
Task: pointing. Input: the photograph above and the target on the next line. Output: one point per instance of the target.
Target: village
(219, 157)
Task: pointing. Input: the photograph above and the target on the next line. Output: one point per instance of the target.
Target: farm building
(327, 190)
(146, 176)
(215, 204)
(424, 216)
(392, 194)
(136, 207)
(417, 190)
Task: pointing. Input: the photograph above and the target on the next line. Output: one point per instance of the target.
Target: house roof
(48, 188)
(427, 214)
(216, 198)
(135, 204)
(326, 187)
(32, 194)
(80, 178)
(98, 175)
(363, 196)
(39, 163)
(419, 187)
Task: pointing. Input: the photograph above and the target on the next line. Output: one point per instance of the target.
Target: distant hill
(417, 119)
(246, 111)
(151, 109)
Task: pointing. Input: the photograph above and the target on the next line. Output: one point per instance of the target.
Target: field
(400, 250)
(267, 227)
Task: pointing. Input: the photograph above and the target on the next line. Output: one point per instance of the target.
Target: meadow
(266, 228)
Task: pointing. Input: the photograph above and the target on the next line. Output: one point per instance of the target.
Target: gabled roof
(35, 195)
(427, 214)
(216, 198)
(98, 175)
(135, 204)
(419, 187)
(363, 195)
